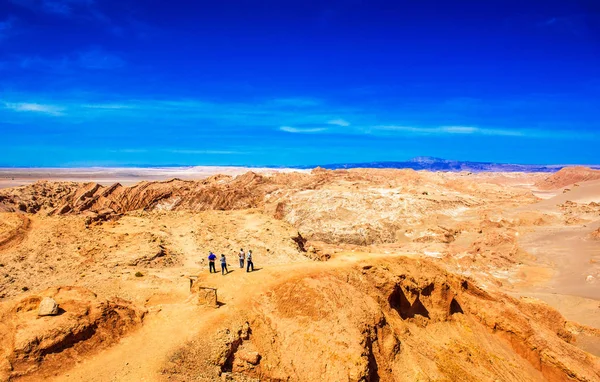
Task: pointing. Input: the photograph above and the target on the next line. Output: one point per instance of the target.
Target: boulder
(48, 307)
(251, 357)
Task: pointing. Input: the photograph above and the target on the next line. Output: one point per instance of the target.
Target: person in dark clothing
(249, 262)
(211, 262)
(224, 265)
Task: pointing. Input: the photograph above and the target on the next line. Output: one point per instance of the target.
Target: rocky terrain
(569, 176)
(362, 275)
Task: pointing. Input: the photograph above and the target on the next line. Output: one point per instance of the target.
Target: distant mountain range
(438, 164)
(418, 163)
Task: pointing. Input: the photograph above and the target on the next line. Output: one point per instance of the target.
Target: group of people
(243, 257)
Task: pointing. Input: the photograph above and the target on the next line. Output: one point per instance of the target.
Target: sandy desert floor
(361, 275)
(15, 177)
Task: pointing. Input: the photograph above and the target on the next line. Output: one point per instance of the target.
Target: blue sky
(147, 82)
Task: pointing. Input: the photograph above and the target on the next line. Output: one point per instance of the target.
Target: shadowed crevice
(400, 303)
(455, 307)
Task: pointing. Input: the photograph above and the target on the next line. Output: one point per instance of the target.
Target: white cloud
(202, 152)
(190, 112)
(107, 106)
(459, 129)
(507, 133)
(311, 130)
(296, 102)
(35, 108)
(464, 130)
(129, 151)
(339, 122)
(177, 151)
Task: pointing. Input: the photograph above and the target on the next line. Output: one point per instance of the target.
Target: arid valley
(361, 275)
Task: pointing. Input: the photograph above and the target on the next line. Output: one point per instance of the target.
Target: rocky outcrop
(80, 324)
(358, 207)
(218, 193)
(162, 258)
(393, 320)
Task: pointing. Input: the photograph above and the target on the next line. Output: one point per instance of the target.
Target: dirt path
(140, 356)
(185, 243)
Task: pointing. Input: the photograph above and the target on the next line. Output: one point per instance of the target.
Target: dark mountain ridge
(438, 164)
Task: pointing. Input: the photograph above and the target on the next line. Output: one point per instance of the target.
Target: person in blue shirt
(211, 262)
(224, 269)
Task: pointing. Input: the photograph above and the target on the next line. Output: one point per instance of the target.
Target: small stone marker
(206, 296)
(48, 307)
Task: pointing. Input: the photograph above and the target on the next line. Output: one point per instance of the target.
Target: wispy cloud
(177, 151)
(181, 111)
(107, 106)
(58, 7)
(196, 116)
(464, 130)
(78, 10)
(296, 102)
(34, 108)
(203, 152)
(296, 130)
(576, 24)
(128, 151)
(339, 122)
(91, 59)
(188, 111)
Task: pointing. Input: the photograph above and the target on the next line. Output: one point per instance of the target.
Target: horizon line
(303, 167)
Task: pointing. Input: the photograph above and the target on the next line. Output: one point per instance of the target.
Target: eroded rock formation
(83, 324)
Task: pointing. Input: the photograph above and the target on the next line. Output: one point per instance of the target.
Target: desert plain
(360, 275)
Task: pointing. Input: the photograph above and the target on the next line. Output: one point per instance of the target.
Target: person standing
(249, 262)
(224, 265)
(211, 262)
(242, 257)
